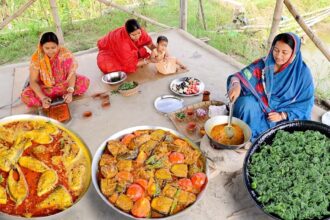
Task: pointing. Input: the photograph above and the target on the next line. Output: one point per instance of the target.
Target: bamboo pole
(276, 22)
(57, 21)
(183, 14)
(318, 43)
(132, 12)
(201, 8)
(16, 14)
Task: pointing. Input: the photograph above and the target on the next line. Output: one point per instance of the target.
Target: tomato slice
(142, 182)
(185, 184)
(135, 192)
(176, 157)
(198, 180)
(141, 208)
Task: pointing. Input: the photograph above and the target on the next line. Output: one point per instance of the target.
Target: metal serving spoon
(229, 130)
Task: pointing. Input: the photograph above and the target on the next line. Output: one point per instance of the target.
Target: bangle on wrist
(70, 89)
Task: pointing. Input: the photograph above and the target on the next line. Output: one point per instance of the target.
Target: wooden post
(318, 43)
(201, 8)
(16, 14)
(276, 22)
(57, 21)
(183, 14)
(108, 3)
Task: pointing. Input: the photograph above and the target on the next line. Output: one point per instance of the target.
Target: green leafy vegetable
(127, 85)
(180, 115)
(292, 176)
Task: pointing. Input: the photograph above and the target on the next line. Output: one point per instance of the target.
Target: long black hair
(48, 37)
(132, 25)
(286, 38)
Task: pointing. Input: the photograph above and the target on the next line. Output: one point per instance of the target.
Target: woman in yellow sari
(52, 74)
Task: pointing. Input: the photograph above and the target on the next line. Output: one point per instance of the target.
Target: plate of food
(149, 172)
(44, 167)
(187, 86)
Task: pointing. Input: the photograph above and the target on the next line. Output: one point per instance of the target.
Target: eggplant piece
(131, 155)
(124, 203)
(109, 171)
(158, 135)
(125, 165)
(180, 170)
(108, 186)
(116, 148)
(163, 174)
(162, 204)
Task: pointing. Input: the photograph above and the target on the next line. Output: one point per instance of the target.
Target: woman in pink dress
(52, 74)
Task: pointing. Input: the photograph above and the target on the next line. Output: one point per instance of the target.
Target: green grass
(18, 43)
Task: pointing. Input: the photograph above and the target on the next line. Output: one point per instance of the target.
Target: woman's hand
(275, 116)
(234, 92)
(46, 101)
(67, 97)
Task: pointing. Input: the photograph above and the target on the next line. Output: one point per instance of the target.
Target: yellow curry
(218, 134)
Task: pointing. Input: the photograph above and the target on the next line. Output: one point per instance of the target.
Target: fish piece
(70, 153)
(9, 157)
(47, 182)
(7, 135)
(18, 190)
(43, 138)
(60, 198)
(33, 164)
(75, 177)
(3, 195)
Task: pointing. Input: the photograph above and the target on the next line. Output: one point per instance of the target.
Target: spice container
(206, 96)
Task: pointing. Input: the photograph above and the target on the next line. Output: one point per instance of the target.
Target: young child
(160, 53)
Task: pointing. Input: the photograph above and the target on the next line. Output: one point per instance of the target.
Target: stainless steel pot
(122, 133)
(223, 119)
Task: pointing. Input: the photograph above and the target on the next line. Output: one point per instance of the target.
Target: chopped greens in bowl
(128, 85)
(287, 171)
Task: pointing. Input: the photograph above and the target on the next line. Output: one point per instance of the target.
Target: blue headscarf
(289, 90)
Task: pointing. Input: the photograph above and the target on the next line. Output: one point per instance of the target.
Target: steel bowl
(119, 135)
(223, 119)
(267, 138)
(114, 77)
(84, 147)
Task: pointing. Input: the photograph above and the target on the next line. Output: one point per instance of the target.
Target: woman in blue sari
(274, 89)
